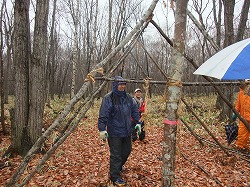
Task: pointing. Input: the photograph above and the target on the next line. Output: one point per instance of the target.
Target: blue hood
(118, 80)
(116, 111)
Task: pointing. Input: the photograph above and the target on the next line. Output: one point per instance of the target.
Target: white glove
(138, 127)
(103, 135)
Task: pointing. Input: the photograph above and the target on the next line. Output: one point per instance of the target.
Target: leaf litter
(83, 159)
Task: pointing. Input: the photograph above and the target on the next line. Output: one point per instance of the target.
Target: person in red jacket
(243, 107)
(141, 108)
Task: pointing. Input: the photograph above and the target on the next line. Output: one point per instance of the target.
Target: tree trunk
(228, 22)
(226, 112)
(51, 58)
(16, 176)
(8, 74)
(174, 95)
(19, 128)
(217, 21)
(1, 73)
(95, 34)
(9, 65)
(37, 81)
(243, 20)
(110, 25)
(76, 18)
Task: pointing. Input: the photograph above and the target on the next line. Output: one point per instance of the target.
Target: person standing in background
(141, 109)
(243, 107)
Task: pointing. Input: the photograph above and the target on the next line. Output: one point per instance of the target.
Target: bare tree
(228, 40)
(29, 76)
(8, 74)
(110, 25)
(208, 41)
(1, 72)
(95, 33)
(174, 95)
(228, 21)
(37, 72)
(89, 33)
(243, 20)
(217, 21)
(21, 58)
(69, 108)
(51, 64)
(74, 8)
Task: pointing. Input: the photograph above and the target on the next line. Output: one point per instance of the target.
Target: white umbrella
(231, 63)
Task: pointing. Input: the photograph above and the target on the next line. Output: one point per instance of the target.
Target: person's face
(121, 87)
(138, 94)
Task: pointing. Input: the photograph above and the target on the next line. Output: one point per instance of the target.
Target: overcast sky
(163, 14)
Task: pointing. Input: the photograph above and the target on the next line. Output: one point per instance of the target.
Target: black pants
(120, 149)
(134, 132)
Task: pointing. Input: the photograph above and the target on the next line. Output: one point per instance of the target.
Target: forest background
(84, 33)
(64, 41)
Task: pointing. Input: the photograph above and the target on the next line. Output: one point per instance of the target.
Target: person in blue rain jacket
(114, 124)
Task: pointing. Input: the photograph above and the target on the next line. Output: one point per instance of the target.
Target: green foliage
(204, 108)
(60, 153)
(53, 109)
(155, 110)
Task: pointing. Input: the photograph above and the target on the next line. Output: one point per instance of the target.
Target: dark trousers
(120, 148)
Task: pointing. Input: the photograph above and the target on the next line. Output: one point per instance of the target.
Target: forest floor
(83, 160)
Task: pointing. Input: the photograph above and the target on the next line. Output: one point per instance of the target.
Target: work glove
(103, 135)
(234, 117)
(138, 128)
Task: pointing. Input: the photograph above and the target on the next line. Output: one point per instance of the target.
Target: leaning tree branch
(202, 169)
(241, 155)
(203, 30)
(164, 82)
(204, 126)
(66, 132)
(192, 132)
(78, 96)
(209, 80)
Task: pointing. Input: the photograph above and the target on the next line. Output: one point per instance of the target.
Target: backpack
(231, 132)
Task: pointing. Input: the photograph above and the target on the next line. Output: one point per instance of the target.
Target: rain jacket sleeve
(134, 112)
(243, 105)
(104, 113)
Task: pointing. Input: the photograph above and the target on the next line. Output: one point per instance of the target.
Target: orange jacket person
(243, 107)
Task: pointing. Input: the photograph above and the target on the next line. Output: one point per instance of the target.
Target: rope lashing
(150, 17)
(172, 82)
(146, 88)
(90, 77)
